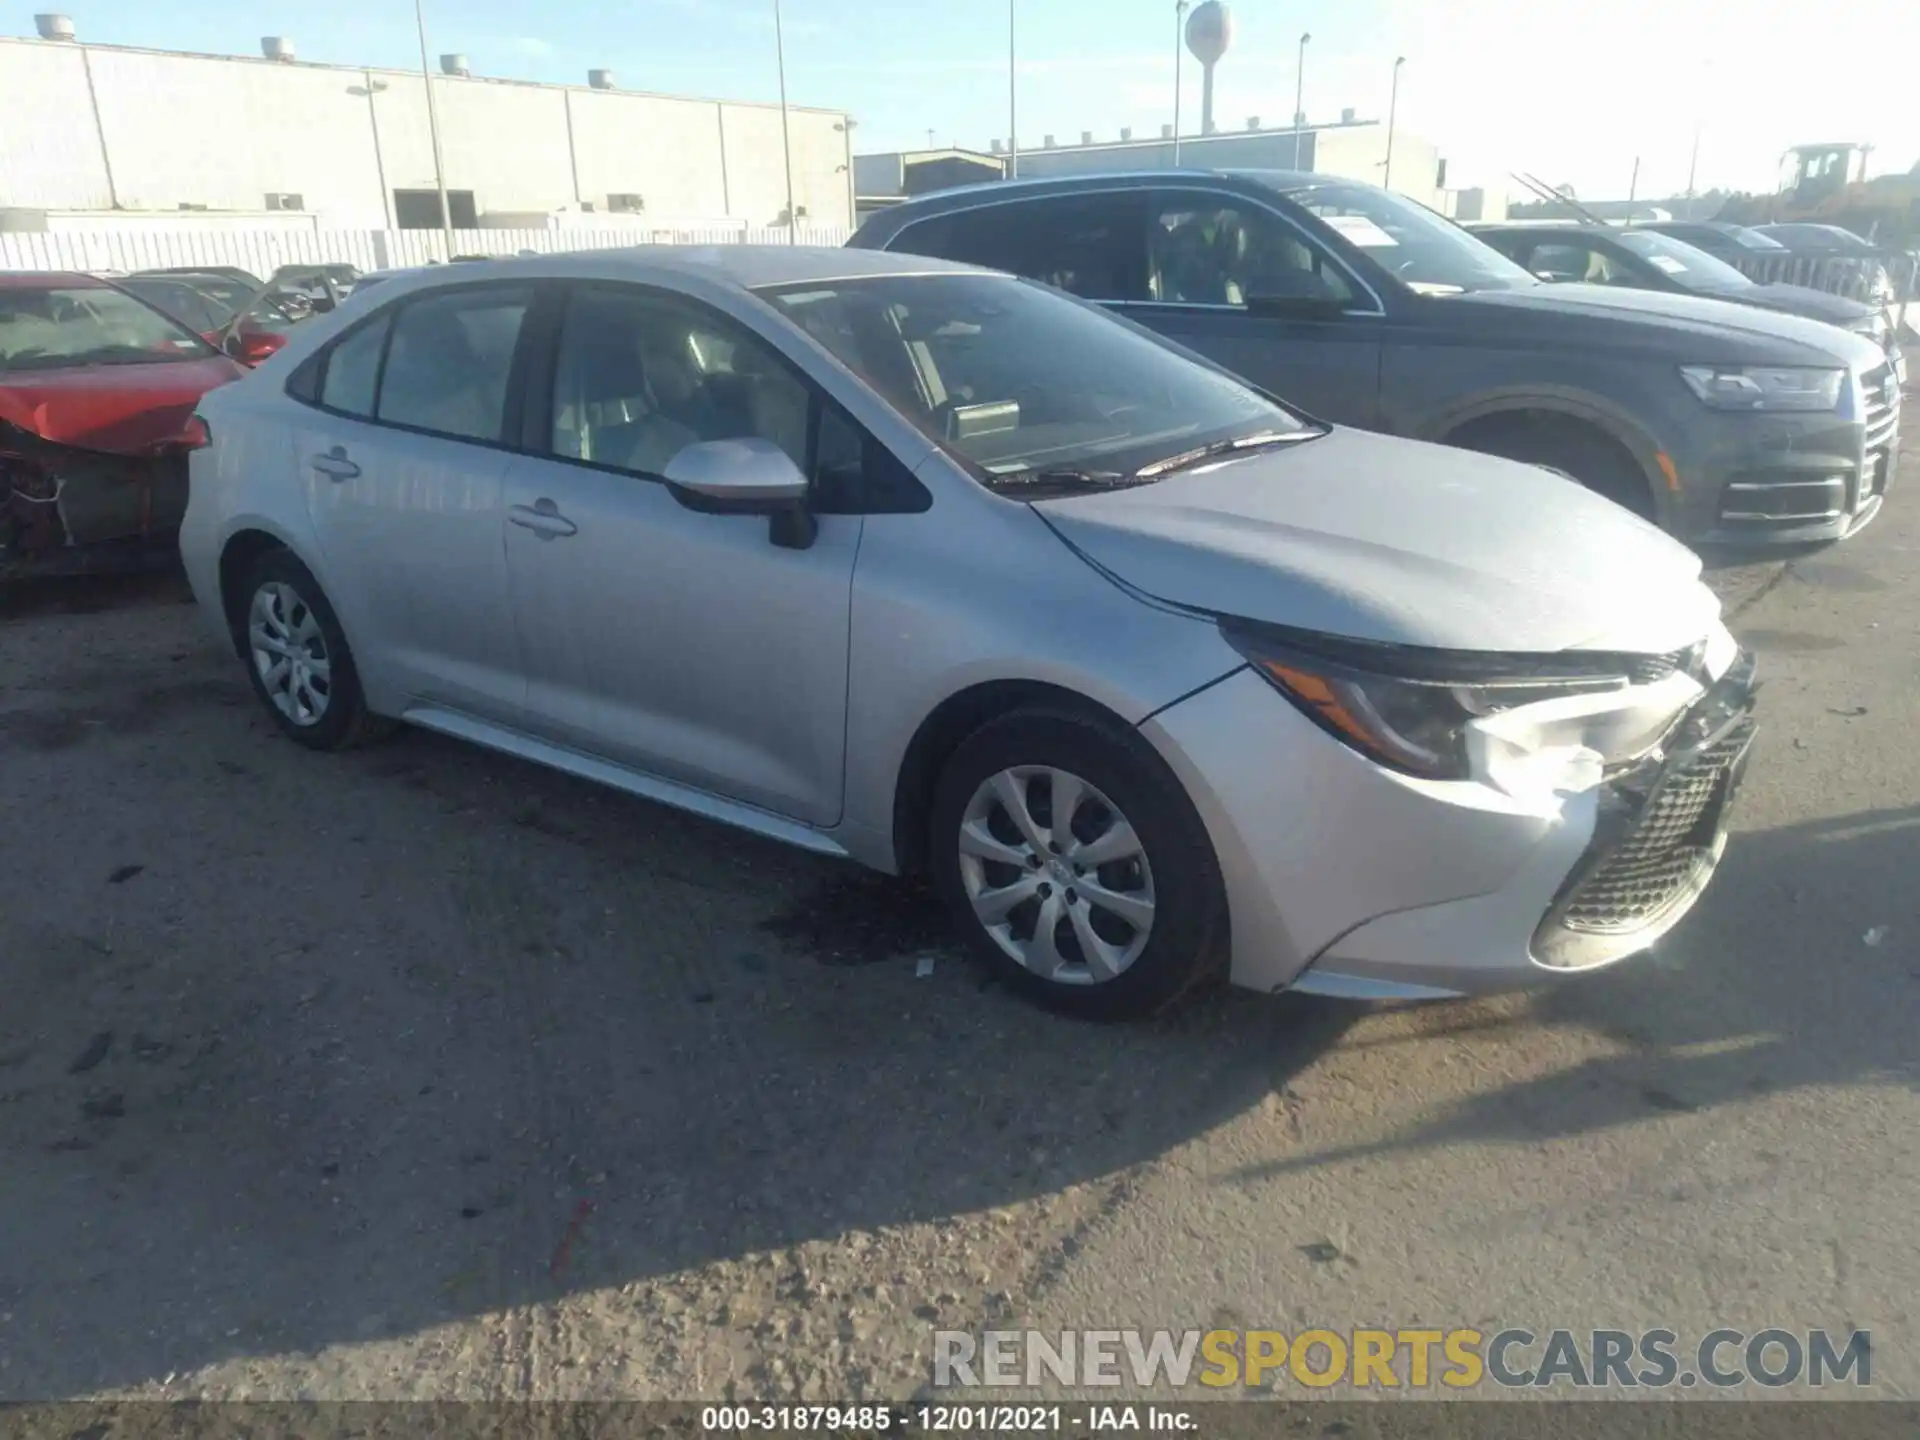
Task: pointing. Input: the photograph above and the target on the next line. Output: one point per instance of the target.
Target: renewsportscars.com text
(1413, 1359)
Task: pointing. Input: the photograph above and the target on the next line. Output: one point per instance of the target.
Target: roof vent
(997, 147)
(277, 47)
(1346, 117)
(1299, 118)
(1086, 137)
(455, 65)
(1125, 133)
(53, 27)
(1166, 132)
(1046, 142)
(600, 79)
(1253, 122)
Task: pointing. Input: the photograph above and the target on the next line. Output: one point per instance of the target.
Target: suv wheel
(1077, 866)
(297, 656)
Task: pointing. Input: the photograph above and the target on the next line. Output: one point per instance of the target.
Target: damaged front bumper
(66, 509)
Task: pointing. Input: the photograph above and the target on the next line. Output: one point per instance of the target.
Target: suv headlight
(1454, 716)
(1875, 327)
(1764, 387)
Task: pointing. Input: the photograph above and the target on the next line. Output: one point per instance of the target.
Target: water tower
(1209, 33)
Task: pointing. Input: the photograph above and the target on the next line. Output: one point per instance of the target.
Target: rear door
(1248, 288)
(403, 460)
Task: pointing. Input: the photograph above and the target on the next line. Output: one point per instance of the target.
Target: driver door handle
(543, 518)
(335, 465)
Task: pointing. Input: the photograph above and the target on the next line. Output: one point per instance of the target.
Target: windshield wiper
(1059, 480)
(1200, 453)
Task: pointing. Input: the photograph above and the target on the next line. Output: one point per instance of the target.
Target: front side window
(640, 377)
(1569, 260)
(1424, 251)
(1013, 380)
(1209, 251)
(64, 328)
(450, 360)
(1092, 246)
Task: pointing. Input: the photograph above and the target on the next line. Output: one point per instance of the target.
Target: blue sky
(1574, 93)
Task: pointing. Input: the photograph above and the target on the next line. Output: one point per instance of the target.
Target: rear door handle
(543, 518)
(335, 465)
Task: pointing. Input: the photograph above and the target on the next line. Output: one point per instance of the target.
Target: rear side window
(1093, 246)
(353, 369)
(450, 361)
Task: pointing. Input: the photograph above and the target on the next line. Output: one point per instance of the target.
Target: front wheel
(1077, 866)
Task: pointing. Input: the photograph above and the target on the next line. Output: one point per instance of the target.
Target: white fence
(262, 251)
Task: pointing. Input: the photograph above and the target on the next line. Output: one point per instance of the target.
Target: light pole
(372, 88)
(1179, 26)
(433, 130)
(1013, 101)
(786, 139)
(1299, 97)
(1393, 104)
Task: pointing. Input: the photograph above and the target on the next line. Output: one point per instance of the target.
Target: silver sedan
(947, 572)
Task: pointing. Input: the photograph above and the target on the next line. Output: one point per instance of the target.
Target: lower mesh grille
(1655, 864)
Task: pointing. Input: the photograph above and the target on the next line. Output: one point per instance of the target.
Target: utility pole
(1013, 100)
(1299, 98)
(786, 139)
(1179, 27)
(433, 130)
(1393, 105)
(1633, 185)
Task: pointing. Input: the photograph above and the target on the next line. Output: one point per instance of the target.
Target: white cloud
(532, 48)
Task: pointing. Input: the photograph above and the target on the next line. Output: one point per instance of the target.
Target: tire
(283, 619)
(1576, 453)
(1133, 969)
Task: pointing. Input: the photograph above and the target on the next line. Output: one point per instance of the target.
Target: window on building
(420, 209)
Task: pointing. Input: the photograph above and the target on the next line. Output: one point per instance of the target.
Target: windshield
(1427, 252)
(88, 325)
(1020, 383)
(1692, 268)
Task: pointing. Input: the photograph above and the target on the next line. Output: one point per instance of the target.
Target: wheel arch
(1579, 413)
(242, 547)
(941, 732)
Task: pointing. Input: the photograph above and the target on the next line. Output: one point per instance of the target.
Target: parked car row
(98, 380)
(1037, 543)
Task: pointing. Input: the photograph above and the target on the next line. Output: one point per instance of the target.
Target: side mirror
(1296, 307)
(250, 347)
(748, 476)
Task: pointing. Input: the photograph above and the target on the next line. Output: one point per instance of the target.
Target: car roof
(747, 267)
(50, 280)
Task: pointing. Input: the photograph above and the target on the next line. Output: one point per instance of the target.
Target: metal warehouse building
(108, 128)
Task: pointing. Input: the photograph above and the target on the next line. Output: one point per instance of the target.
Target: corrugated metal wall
(126, 248)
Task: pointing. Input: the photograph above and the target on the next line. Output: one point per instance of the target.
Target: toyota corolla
(943, 571)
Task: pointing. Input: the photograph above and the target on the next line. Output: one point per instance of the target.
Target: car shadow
(345, 1048)
(1755, 993)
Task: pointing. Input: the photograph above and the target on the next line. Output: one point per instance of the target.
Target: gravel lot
(420, 1072)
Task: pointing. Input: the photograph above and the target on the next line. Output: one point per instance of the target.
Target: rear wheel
(297, 657)
(1077, 866)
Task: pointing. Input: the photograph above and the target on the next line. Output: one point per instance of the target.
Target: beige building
(111, 129)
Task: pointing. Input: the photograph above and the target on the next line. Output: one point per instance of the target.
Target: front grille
(1658, 861)
(1882, 413)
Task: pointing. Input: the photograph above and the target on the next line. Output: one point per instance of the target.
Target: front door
(1214, 258)
(403, 465)
(677, 642)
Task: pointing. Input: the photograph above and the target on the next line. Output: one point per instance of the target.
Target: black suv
(1721, 422)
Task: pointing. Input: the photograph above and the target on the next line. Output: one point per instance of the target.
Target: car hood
(1398, 542)
(1679, 328)
(117, 409)
(1800, 300)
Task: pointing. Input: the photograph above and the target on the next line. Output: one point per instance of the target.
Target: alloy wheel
(1056, 875)
(289, 652)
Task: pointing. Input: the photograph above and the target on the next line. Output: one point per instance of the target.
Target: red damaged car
(97, 393)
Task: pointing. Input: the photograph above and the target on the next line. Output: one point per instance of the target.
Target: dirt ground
(420, 1072)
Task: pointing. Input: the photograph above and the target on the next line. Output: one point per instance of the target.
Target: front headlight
(1875, 327)
(1764, 387)
(1417, 723)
